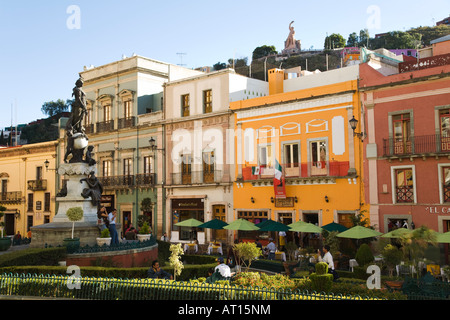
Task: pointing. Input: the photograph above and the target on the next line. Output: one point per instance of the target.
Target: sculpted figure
(78, 107)
(94, 190)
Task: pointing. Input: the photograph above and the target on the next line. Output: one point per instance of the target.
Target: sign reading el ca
(438, 209)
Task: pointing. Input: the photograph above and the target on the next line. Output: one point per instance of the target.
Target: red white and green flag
(277, 174)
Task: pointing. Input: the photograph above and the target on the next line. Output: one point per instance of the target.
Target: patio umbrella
(397, 233)
(214, 224)
(295, 224)
(333, 226)
(359, 232)
(189, 223)
(271, 225)
(306, 227)
(443, 237)
(242, 225)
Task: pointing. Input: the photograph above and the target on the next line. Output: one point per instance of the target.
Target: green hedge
(33, 257)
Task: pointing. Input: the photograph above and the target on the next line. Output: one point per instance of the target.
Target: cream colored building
(199, 149)
(28, 186)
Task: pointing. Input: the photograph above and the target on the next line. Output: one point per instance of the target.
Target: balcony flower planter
(5, 243)
(103, 241)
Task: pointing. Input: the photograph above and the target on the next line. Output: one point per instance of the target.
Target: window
(106, 165)
(147, 165)
(38, 173)
(402, 133)
(265, 156)
(30, 202)
(404, 185)
(127, 109)
(47, 202)
(107, 113)
(207, 101)
(208, 167)
(290, 155)
(318, 157)
(444, 124)
(185, 105)
(186, 160)
(446, 184)
(88, 117)
(127, 167)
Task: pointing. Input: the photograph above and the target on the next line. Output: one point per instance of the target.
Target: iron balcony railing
(426, 144)
(126, 122)
(146, 179)
(105, 126)
(37, 185)
(117, 181)
(299, 170)
(11, 197)
(196, 177)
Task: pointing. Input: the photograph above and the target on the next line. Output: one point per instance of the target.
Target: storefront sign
(286, 202)
(444, 210)
(188, 204)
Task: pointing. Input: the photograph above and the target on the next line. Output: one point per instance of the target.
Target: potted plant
(74, 214)
(105, 238)
(144, 232)
(5, 242)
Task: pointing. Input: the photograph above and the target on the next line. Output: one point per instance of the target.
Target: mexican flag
(277, 174)
(255, 170)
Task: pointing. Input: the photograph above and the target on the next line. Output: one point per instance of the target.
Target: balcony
(105, 126)
(424, 63)
(126, 122)
(112, 182)
(418, 145)
(146, 179)
(197, 177)
(89, 128)
(11, 197)
(318, 169)
(37, 185)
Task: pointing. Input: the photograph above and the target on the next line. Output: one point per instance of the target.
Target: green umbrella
(333, 226)
(271, 225)
(443, 237)
(397, 233)
(189, 223)
(359, 232)
(306, 227)
(214, 224)
(242, 225)
(296, 224)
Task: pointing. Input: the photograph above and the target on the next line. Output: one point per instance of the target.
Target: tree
(174, 259)
(219, 66)
(263, 51)
(246, 252)
(364, 38)
(334, 41)
(352, 40)
(54, 107)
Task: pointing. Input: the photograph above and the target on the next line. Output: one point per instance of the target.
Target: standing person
(328, 259)
(102, 216)
(112, 227)
(164, 237)
(282, 242)
(271, 248)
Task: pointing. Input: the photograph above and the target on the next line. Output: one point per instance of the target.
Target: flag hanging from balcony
(278, 181)
(255, 170)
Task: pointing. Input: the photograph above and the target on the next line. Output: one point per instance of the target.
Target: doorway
(9, 224)
(219, 213)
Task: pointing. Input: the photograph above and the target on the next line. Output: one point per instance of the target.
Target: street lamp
(353, 123)
(46, 163)
(153, 145)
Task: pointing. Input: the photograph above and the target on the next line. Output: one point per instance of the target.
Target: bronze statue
(78, 107)
(94, 190)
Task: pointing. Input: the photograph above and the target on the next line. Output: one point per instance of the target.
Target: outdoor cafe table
(280, 255)
(189, 246)
(215, 248)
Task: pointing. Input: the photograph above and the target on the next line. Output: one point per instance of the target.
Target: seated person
(155, 272)
(130, 234)
(221, 272)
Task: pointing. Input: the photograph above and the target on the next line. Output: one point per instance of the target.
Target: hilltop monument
(291, 45)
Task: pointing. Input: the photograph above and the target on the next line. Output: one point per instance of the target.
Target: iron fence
(90, 288)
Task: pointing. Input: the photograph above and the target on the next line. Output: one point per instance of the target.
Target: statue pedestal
(75, 172)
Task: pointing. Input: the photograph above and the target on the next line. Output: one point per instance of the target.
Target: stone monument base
(53, 234)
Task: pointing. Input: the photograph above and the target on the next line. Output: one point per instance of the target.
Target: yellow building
(27, 186)
(303, 124)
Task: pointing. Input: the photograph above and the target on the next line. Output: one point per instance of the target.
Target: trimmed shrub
(364, 255)
(321, 280)
(33, 257)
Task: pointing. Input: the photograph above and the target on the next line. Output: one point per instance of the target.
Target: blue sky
(41, 56)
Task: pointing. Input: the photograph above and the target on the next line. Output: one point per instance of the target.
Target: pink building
(407, 143)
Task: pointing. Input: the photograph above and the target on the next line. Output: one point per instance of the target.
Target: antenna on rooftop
(181, 58)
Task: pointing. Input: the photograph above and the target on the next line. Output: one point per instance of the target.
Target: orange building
(303, 125)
